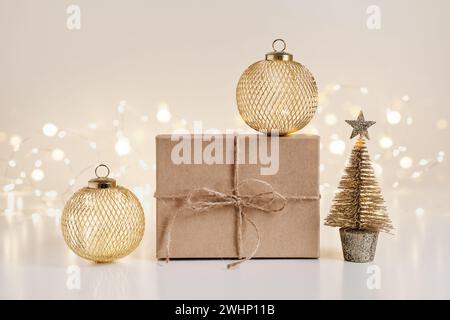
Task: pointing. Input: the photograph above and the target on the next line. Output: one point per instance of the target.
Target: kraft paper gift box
(213, 232)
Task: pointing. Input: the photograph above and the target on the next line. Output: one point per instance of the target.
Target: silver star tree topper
(360, 126)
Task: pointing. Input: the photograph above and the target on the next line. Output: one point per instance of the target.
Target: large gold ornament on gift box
(277, 93)
(103, 222)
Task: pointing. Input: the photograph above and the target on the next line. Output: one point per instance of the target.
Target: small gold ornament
(277, 94)
(103, 222)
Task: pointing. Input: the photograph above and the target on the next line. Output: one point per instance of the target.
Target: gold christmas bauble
(277, 94)
(103, 222)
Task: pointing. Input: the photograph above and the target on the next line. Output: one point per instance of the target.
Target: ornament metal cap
(102, 182)
(279, 55)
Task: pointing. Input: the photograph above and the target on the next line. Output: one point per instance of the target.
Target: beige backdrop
(130, 59)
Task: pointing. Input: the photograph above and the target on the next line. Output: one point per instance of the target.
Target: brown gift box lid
(291, 233)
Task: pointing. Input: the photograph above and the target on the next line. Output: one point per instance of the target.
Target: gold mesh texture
(103, 225)
(277, 95)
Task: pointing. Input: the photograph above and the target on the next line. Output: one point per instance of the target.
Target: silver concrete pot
(358, 245)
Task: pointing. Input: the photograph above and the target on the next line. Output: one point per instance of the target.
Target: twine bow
(206, 199)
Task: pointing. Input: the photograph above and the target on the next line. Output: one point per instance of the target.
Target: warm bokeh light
(385, 142)
(15, 140)
(442, 124)
(163, 114)
(49, 129)
(122, 146)
(420, 212)
(58, 154)
(406, 162)
(393, 117)
(330, 119)
(37, 175)
(337, 147)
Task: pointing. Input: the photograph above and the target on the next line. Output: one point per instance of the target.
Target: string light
(58, 154)
(393, 117)
(420, 212)
(163, 114)
(15, 140)
(416, 174)
(62, 134)
(406, 162)
(37, 175)
(337, 147)
(49, 129)
(385, 142)
(330, 119)
(123, 146)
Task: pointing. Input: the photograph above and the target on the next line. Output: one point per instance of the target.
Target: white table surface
(414, 263)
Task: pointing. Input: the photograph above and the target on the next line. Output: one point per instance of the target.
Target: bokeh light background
(71, 99)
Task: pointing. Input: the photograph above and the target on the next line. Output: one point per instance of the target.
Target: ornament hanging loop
(102, 182)
(275, 42)
(279, 55)
(102, 166)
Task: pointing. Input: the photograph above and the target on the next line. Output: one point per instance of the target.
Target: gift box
(232, 196)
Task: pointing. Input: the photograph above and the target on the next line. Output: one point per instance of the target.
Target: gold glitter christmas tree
(359, 203)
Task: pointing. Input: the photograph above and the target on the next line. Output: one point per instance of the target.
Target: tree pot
(358, 245)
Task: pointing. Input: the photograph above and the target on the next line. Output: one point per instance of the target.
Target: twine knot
(205, 199)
